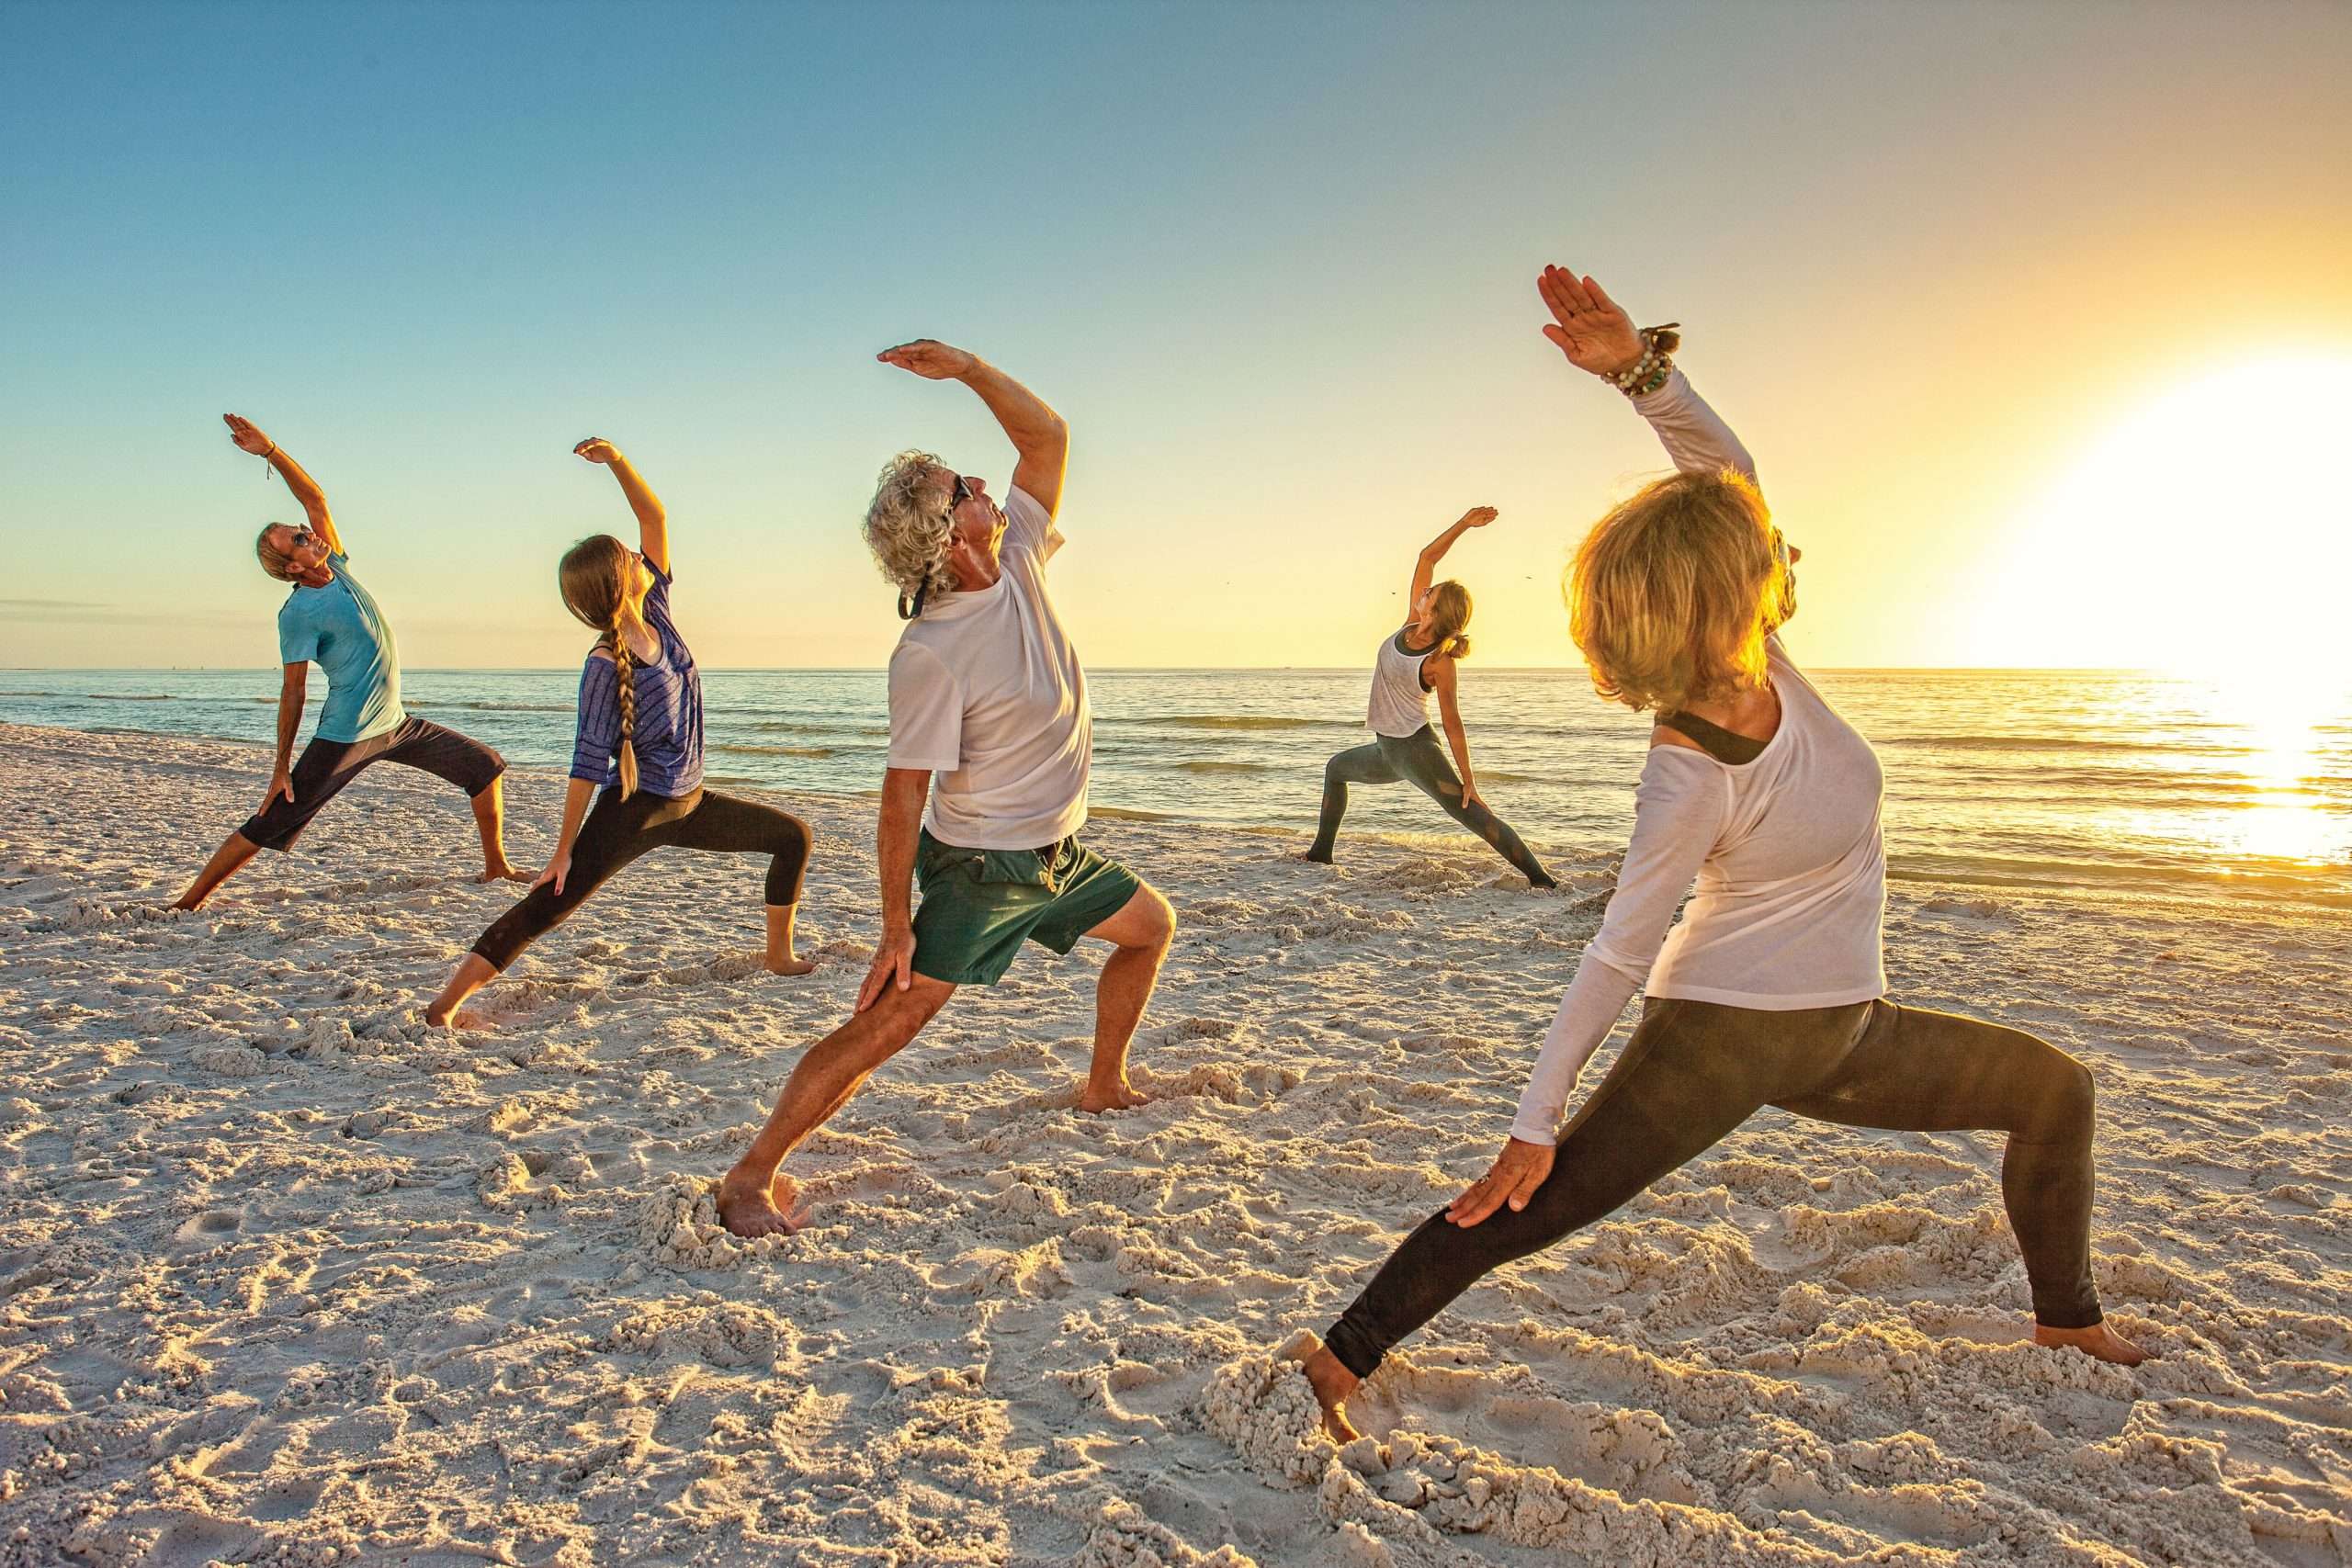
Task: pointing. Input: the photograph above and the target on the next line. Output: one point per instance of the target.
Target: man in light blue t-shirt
(332, 621)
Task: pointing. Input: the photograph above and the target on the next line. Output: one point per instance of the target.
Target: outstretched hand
(596, 449)
(929, 358)
(1517, 1172)
(246, 434)
(1590, 328)
(1478, 517)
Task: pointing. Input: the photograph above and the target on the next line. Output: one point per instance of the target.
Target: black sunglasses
(910, 608)
(1784, 611)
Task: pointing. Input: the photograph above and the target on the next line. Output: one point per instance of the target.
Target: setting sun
(2208, 532)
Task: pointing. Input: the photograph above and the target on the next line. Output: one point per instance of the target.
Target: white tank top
(1399, 706)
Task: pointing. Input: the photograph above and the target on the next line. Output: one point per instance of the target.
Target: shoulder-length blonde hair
(1672, 593)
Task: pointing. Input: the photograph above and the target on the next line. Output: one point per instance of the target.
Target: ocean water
(2097, 782)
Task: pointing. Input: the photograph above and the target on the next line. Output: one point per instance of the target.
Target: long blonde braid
(593, 579)
(625, 668)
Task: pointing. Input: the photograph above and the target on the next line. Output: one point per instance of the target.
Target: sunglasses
(1787, 607)
(908, 608)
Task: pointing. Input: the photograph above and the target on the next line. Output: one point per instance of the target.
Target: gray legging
(1693, 1071)
(1420, 762)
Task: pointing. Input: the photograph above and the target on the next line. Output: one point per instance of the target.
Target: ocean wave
(2061, 743)
(1230, 721)
(776, 750)
(2255, 878)
(1200, 766)
(805, 727)
(2056, 786)
(477, 705)
(1127, 814)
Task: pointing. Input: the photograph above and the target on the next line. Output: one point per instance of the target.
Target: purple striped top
(668, 735)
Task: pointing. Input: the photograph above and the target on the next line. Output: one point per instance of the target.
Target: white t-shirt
(986, 691)
(1791, 899)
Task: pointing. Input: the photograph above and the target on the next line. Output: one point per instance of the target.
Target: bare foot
(1333, 1382)
(1311, 858)
(2099, 1340)
(788, 965)
(502, 872)
(748, 1210)
(1121, 1095)
(468, 1020)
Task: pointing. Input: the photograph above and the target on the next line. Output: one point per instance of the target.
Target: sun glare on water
(2208, 534)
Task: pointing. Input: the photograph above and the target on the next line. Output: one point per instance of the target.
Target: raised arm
(653, 521)
(249, 439)
(1036, 432)
(1425, 568)
(1598, 337)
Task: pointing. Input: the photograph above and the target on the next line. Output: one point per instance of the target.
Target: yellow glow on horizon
(2208, 532)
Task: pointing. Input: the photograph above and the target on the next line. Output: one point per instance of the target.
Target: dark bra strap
(1714, 739)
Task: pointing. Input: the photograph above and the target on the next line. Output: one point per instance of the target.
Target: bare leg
(756, 1198)
(1333, 1382)
(2099, 1341)
(780, 958)
(233, 853)
(1142, 928)
(472, 974)
(490, 812)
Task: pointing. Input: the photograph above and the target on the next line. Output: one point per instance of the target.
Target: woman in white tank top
(1770, 991)
(1418, 659)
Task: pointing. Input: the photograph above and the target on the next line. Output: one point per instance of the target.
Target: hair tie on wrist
(1648, 373)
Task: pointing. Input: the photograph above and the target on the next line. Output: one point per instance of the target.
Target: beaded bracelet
(1648, 373)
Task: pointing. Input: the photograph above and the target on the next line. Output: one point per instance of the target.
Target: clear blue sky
(1273, 262)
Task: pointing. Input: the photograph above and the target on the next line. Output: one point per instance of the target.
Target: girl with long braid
(639, 754)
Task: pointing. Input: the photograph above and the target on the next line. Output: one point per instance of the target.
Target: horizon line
(1100, 669)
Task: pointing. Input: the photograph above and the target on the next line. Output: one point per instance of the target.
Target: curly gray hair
(908, 527)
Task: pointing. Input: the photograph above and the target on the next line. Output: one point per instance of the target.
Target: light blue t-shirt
(341, 627)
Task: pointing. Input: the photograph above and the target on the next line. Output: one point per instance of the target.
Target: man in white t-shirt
(989, 720)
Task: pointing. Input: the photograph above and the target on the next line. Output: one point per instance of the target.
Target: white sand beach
(286, 1278)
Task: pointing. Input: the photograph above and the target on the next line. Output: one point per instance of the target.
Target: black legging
(1419, 761)
(619, 830)
(1693, 1071)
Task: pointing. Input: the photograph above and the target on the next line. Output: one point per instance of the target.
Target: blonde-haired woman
(1418, 659)
(638, 753)
(1771, 990)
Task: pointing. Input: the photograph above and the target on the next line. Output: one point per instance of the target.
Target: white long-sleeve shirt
(1786, 850)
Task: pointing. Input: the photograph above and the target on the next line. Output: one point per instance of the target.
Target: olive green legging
(1693, 1071)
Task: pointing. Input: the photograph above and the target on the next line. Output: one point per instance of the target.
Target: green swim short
(979, 904)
